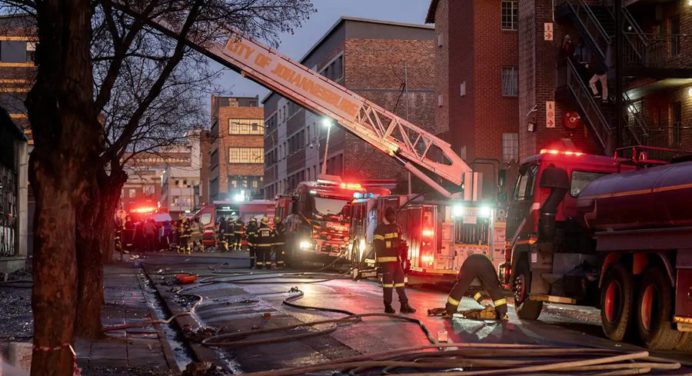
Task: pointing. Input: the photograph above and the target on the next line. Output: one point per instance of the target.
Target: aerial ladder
(415, 148)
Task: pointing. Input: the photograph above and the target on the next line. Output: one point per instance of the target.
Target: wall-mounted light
(689, 91)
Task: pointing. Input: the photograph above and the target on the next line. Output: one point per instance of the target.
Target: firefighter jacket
(264, 238)
(251, 232)
(187, 230)
(279, 234)
(387, 243)
(238, 228)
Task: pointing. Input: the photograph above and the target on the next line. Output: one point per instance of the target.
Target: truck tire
(655, 311)
(521, 284)
(617, 294)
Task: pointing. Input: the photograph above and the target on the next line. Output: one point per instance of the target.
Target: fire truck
(424, 155)
(612, 232)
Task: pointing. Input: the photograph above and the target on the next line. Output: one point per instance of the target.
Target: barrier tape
(76, 371)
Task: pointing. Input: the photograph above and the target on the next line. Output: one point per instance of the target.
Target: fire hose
(450, 358)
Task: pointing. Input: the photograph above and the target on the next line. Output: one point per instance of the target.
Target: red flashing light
(351, 186)
(558, 152)
(144, 209)
(428, 233)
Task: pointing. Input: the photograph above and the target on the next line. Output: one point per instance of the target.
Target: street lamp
(327, 123)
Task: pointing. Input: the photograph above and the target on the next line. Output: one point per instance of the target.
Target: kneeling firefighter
(478, 266)
(387, 244)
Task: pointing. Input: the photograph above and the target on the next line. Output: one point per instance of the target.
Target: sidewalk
(135, 351)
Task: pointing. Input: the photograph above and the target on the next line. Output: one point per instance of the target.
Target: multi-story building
(390, 63)
(236, 152)
(181, 183)
(13, 195)
(477, 81)
(558, 106)
(17, 72)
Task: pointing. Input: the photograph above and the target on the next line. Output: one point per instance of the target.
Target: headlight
(458, 210)
(304, 245)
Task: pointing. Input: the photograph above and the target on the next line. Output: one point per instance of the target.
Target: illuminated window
(246, 126)
(510, 14)
(245, 155)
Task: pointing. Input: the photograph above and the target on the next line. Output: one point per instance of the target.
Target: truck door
(521, 204)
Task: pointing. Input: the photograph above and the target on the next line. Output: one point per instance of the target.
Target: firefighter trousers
(253, 255)
(227, 241)
(280, 254)
(393, 278)
(477, 266)
(237, 237)
(264, 257)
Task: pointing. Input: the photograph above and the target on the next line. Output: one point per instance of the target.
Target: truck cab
(553, 258)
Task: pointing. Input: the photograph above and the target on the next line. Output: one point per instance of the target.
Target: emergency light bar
(561, 152)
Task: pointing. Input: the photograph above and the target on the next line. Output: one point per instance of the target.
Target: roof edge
(432, 9)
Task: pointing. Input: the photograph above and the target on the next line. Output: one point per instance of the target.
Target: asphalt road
(233, 301)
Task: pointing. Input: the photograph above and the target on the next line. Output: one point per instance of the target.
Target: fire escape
(596, 26)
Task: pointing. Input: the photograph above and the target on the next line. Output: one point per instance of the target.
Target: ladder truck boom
(411, 145)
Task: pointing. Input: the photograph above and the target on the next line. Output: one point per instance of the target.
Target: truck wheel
(521, 285)
(616, 302)
(655, 311)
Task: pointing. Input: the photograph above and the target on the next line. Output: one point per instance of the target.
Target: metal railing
(590, 24)
(675, 134)
(590, 108)
(636, 124)
(663, 51)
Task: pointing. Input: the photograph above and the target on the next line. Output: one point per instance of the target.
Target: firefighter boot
(388, 308)
(405, 308)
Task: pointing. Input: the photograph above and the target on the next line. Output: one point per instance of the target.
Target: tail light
(428, 233)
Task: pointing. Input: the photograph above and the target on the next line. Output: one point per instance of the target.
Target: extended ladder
(411, 145)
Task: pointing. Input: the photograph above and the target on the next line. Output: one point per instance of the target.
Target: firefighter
(388, 244)
(251, 234)
(196, 235)
(222, 234)
(279, 243)
(186, 233)
(229, 234)
(238, 233)
(478, 266)
(264, 240)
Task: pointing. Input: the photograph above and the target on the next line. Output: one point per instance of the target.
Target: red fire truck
(610, 232)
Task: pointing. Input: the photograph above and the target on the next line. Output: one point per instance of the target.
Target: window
(510, 14)
(510, 81)
(245, 155)
(510, 147)
(132, 192)
(335, 69)
(13, 51)
(581, 179)
(246, 126)
(524, 188)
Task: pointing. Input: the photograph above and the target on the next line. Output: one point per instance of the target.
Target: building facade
(558, 106)
(391, 64)
(182, 189)
(236, 153)
(13, 195)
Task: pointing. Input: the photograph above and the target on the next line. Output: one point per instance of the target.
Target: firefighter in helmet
(479, 267)
(388, 246)
(264, 240)
(186, 233)
(279, 242)
(229, 234)
(222, 229)
(238, 229)
(251, 234)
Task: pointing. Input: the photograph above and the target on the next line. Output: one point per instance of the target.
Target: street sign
(550, 114)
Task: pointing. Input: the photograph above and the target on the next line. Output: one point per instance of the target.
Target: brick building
(477, 75)
(657, 66)
(391, 64)
(477, 81)
(236, 153)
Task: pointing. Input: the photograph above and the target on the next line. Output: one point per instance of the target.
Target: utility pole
(619, 39)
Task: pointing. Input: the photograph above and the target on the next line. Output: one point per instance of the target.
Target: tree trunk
(54, 271)
(94, 241)
(67, 138)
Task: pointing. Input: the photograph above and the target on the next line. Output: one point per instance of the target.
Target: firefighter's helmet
(277, 220)
(253, 219)
(265, 220)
